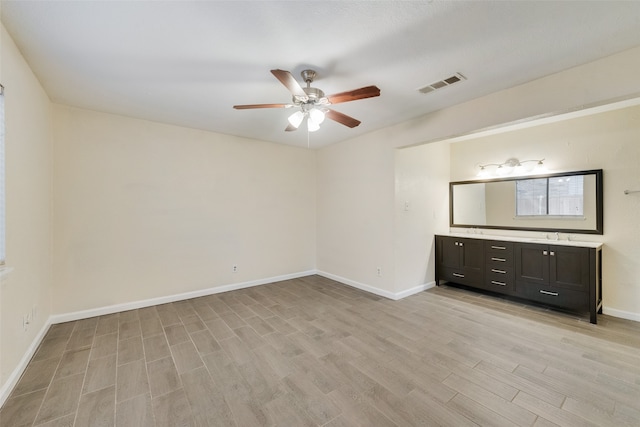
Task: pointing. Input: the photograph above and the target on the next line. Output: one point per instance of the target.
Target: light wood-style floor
(312, 352)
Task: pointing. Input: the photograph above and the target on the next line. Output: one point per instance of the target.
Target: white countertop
(539, 240)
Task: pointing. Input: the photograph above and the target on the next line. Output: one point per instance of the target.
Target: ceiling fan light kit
(312, 102)
(316, 115)
(312, 125)
(296, 118)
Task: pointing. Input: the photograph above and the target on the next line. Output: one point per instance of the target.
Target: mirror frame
(599, 203)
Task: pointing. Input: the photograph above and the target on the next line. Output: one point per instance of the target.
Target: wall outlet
(234, 268)
(379, 271)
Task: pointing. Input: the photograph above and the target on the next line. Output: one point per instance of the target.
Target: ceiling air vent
(442, 83)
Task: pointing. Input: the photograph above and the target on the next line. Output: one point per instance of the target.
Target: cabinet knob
(461, 244)
(544, 252)
(552, 253)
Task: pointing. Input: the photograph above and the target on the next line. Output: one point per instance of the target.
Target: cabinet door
(450, 252)
(532, 262)
(472, 255)
(460, 260)
(569, 267)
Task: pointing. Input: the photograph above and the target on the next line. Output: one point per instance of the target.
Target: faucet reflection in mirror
(511, 166)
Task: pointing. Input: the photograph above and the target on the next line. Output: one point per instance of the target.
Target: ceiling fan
(312, 102)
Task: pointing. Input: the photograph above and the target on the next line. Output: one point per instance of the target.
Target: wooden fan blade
(248, 106)
(353, 95)
(341, 118)
(290, 128)
(290, 83)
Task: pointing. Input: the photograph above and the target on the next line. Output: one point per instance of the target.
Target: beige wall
(356, 206)
(607, 141)
(421, 210)
(145, 210)
(356, 212)
(29, 153)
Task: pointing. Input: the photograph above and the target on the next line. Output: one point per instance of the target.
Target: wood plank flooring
(313, 352)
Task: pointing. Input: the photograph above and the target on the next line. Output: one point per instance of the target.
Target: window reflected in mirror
(560, 196)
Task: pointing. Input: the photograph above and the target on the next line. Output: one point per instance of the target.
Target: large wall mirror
(568, 202)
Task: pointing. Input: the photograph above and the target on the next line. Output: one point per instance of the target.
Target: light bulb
(312, 125)
(483, 172)
(296, 118)
(316, 115)
(501, 170)
(540, 167)
(519, 168)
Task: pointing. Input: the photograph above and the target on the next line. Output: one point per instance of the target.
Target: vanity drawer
(498, 253)
(498, 248)
(501, 261)
(470, 278)
(553, 295)
(499, 281)
(499, 270)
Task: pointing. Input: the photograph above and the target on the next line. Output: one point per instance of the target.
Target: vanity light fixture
(510, 166)
(539, 167)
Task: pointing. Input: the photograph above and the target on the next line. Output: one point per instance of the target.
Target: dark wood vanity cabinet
(461, 260)
(554, 275)
(567, 277)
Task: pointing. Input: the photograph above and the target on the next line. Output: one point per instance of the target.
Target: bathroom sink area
(522, 239)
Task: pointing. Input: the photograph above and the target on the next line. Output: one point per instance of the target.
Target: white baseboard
(358, 285)
(380, 292)
(116, 308)
(15, 375)
(415, 290)
(621, 314)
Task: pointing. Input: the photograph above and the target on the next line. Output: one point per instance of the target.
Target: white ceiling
(188, 62)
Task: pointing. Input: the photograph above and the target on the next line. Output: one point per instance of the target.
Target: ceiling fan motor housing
(314, 95)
